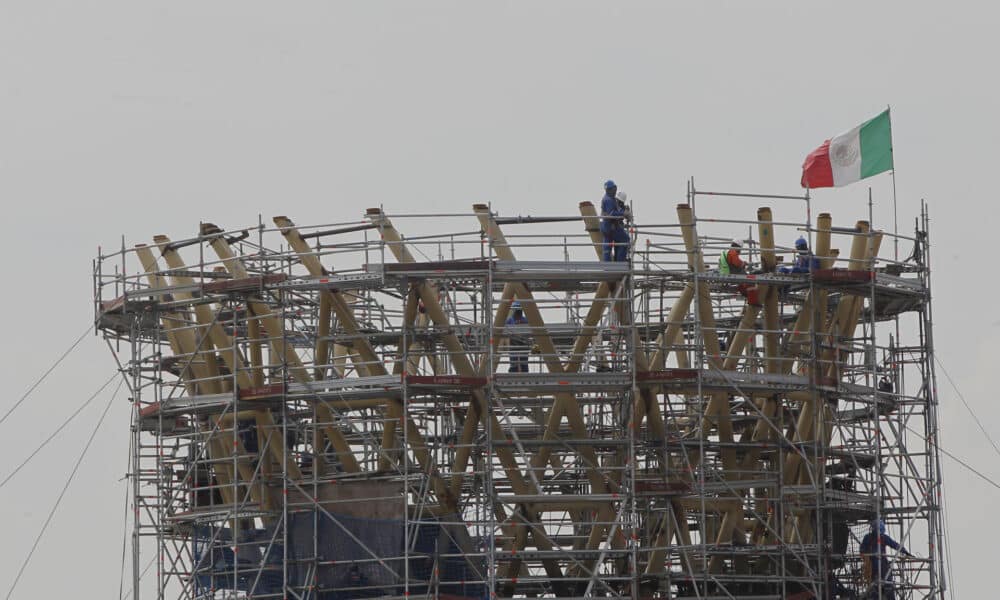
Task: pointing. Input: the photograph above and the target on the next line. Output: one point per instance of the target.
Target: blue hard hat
(516, 305)
(878, 525)
(609, 184)
(801, 243)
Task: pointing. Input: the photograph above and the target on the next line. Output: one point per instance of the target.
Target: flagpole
(809, 227)
(895, 214)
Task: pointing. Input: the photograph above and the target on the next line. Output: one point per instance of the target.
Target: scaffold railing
(485, 408)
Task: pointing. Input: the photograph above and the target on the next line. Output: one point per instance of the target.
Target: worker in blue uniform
(519, 344)
(805, 261)
(613, 214)
(875, 563)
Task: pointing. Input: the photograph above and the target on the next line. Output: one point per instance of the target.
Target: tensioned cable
(69, 480)
(59, 429)
(955, 458)
(947, 536)
(975, 417)
(46, 374)
(141, 575)
(944, 504)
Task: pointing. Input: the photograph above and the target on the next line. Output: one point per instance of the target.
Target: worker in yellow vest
(730, 263)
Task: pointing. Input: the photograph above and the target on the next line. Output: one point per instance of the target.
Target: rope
(46, 374)
(59, 429)
(69, 480)
(944, 506)
(975, 417)
(141, 575)
(955, 458)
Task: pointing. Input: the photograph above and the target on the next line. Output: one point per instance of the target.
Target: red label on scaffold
(662, 486)
(446, 380)
(248, 283)
(265, 391)
(843, 275)
(667, 375)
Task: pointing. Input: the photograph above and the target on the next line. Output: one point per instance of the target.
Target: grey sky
(136, 118)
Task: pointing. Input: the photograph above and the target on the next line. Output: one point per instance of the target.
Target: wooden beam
(464, 367)
(184, 342)
(369, 364)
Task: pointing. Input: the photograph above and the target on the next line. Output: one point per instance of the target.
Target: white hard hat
(622, 196)
(737, 244)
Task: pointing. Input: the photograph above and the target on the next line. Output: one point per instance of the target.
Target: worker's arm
(610, 207)
(895, 545)
(735, 261)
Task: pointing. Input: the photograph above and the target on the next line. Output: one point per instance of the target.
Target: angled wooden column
(499, 242)
(839, 324)
(836, 328)
(321, 353)
(368, 362)
(210, 327)
(815, 419)
(646, 405)
(181, 338)
(184, 342)
(372, 365)
(255, 341)
(874, 242)
(815, 301)
(673, 334)
(456, 351)
(394, 413)
(207, 321)
(839, 327)
(718, 404)
(696, 263)
(605, 291)
(474, 416)
(271, 323)
(764, 428)
(275, 328)
(769, 404)
(565, 403)
(464, 367)
(279, 347)
(769, 293)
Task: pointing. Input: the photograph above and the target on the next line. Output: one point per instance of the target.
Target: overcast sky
(131, 118)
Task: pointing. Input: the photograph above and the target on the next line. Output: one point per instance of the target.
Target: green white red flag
(862, 152)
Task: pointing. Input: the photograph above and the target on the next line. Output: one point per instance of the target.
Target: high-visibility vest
(724, 263)
(867, 572)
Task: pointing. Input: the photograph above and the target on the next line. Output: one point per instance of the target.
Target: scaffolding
(338, 411)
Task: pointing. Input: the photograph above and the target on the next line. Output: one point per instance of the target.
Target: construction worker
(613, 214)
(805, 262)
(519, 344)
(730, 263)
(875, 563)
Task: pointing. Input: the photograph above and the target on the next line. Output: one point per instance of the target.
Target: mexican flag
(862, 152)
